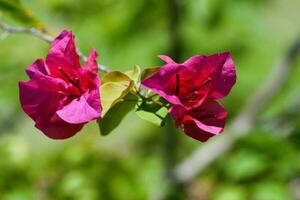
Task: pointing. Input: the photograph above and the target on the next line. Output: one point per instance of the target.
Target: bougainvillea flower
(192, 88)
(61, 96)
(201, 122)
(190, 83)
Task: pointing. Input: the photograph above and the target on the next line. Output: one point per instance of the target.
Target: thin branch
(31, 31)
(41, 35)
(208, 152)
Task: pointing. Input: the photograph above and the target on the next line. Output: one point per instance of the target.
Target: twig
(208, 152)
(41, 35)
(31, 31)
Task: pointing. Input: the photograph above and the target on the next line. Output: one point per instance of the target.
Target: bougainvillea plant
(62, 96)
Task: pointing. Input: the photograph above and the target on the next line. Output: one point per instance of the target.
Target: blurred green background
(129, 164)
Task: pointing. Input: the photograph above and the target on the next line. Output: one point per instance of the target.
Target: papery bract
(60, 95)
(201, 122)
(192, 88)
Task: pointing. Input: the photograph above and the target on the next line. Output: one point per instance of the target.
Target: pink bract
(61, 96)
(201, 122)
(192, 88)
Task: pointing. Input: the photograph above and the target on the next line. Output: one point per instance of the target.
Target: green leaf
(115, 86)
(18, 12)
(158, 117)
(116, 114)
(245, 165)
(148, 106)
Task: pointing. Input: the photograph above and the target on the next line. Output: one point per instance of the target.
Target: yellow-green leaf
(111, 93)
(149, 72)
(115, 76)
(134, 74)
(115, 86)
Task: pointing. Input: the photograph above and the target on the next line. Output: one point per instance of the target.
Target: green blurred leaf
(245, 165)
(18, 12)
(231, 192)
(19, 193)
(271, 191)
(260, 140)
(116, 114)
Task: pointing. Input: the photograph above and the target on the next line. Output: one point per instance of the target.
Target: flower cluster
(193, 88)
(61, 96)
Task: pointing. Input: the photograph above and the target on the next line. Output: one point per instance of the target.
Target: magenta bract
(61, 96)
(192, 86)
(202, 122)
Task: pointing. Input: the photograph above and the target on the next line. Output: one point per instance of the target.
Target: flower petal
(167, 59)
(164, 83)
(205, 121)
(202, 68)
(225, 77)
(78, 111)
(178, 111)
(37, 72)
(63, 55)
(41, 106)
(193, 89)
(59, 129)
(38, 67)
(38, 104)
(91, 62)
(218, 67)
(94, 100)
(192, 130)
